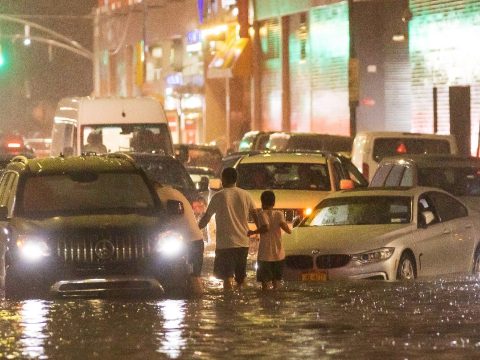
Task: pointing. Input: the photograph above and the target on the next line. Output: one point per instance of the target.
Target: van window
(395, 176)
(380, 175)
(396, 146)
(128, 137)
(319, 142)
(62, 138)
(407, 179)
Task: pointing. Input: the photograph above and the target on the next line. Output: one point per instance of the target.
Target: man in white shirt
(231, 207)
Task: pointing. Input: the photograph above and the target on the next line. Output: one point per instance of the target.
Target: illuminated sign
(194, 36)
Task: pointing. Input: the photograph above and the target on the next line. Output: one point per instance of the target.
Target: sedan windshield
(295, 176)
(362, 210)
(85, 193)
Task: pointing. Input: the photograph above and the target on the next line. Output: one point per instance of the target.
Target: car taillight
(365, 170)
(14, 145)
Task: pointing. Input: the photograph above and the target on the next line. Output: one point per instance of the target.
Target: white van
(369, 147)
(89, 124)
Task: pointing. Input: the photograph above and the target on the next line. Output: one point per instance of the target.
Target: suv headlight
(373, 255)
(170, 243)
(32, 248)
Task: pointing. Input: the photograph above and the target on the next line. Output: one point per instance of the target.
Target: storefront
(445, 61)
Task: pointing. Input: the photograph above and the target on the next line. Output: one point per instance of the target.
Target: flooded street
(371, 320)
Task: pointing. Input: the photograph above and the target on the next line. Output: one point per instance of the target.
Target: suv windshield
(85, 193)
(122, 137)
(361, 210)
(295, 176)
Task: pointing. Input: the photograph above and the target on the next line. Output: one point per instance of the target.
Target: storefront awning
(231, 61)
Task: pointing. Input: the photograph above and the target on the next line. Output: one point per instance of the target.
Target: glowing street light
(26, 40)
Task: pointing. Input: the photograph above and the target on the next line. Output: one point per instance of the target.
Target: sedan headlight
(373, 255)
(32, 248)
(170, 243)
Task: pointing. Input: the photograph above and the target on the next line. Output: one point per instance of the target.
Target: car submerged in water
(386, 234)
(87, 226)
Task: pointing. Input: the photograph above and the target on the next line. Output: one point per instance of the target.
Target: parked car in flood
(458, 175)
(370, 147)
(384, 233)
(299, 179)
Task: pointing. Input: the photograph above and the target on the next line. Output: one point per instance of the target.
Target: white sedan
(387, 234)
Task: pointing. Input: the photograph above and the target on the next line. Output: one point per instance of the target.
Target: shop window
(155, 63)
(270, 39)
(302, 34)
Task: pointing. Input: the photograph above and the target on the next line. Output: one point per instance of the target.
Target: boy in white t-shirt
(271, 255)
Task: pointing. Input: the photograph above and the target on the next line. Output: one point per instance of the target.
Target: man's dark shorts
(195, 256)
(231, 262)
(270, 270)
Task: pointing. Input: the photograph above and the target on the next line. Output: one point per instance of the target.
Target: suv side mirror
(175, 207)
(3, 213)
(203, 183)
(347, 184)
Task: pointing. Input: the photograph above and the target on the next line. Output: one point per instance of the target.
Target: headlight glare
(170, 243)
(32, 248)
(373, 255)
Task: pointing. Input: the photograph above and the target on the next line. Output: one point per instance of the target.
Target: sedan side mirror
(175, 207)
(426, 218)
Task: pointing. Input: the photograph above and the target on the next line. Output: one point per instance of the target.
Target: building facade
(222, 67)
(153, 48)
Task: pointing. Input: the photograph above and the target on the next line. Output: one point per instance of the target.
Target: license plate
(314, 276)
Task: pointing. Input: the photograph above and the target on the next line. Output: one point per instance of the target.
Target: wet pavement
(437, 319)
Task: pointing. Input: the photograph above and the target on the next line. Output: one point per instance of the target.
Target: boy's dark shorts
(270, 270)
(195, 256)
(231, 262)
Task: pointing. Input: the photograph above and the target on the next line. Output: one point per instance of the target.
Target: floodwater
(437, 319)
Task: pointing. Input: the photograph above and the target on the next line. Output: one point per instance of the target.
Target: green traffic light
(3, 58)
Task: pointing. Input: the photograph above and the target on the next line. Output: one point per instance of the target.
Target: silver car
(387, 234)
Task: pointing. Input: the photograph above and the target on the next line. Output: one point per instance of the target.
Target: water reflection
(173, 313)
(33, 320)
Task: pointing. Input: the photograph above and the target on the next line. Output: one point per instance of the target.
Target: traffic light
(3, 57)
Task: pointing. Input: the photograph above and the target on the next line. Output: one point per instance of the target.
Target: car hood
(292, 199)
(349, 239)
(86, 223)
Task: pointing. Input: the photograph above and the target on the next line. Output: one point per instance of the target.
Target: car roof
(385, 191)
(285, 157)
(309, 134)
(401, 134)
(150, 156)
(432, 160)
(59, 165)
(197, 146)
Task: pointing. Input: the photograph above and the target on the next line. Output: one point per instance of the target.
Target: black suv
(87, 225)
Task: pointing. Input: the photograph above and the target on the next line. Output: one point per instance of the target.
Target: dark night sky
(67, 74)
